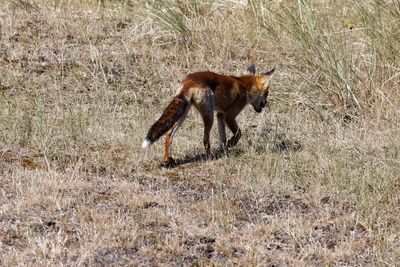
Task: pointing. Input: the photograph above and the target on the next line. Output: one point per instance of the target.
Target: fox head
(259, 89)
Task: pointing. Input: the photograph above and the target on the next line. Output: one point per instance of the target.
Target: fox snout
(263, 103)
(258, 108)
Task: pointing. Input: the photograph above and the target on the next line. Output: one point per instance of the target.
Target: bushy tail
(174, 111)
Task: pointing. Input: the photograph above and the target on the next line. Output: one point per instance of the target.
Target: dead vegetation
(313, 181)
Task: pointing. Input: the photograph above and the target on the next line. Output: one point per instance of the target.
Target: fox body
(209, 92)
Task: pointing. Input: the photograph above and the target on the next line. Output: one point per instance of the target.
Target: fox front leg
(233, 126)
(221, 131)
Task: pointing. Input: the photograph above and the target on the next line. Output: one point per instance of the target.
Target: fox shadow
(217, 154)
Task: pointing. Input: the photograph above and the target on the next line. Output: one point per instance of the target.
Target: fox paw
(168, 163)
(232, 142)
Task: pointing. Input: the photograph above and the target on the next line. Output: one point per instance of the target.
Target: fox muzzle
(263, 103)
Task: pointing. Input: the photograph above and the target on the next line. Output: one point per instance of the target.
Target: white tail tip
(146, 143)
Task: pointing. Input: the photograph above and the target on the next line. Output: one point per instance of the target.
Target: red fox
(209, 91)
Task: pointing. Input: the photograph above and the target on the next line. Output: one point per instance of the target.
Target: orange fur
(209, 92)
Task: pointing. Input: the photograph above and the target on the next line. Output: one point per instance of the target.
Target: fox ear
(270, 73)
(252, 69)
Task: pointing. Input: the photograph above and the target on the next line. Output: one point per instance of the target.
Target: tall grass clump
(170, 16)
(184, 20)
(347, 60)
(380, 22)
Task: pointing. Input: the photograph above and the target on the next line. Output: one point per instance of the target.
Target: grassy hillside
(315, 179)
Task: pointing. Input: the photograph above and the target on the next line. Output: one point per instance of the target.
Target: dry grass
(313, 181)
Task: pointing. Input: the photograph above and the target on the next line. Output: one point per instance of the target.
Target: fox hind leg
(168, 159)
(208, 119)
(206, 108)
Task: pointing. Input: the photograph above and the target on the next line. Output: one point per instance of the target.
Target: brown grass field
(314, 181)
